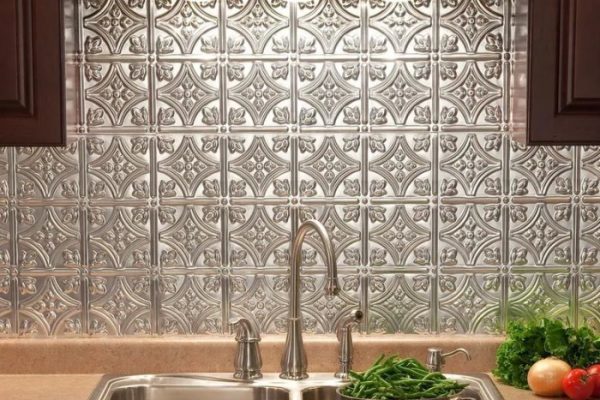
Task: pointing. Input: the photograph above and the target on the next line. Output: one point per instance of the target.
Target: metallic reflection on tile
(209, 130)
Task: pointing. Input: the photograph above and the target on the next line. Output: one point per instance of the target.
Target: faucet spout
(293, 361)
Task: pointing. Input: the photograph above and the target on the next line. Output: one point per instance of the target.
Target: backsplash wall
(209, 130)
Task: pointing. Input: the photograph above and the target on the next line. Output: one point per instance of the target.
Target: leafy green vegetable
(528, 342)
(393, 378)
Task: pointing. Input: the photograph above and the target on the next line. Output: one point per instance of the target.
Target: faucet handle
(436, 358)
(245, 331)
(248, 361)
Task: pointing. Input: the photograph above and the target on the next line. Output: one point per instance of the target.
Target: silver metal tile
(541, 170)
(471, 26)
(190, 304)
(263, 163)
(188, 167)
(256, 27)
(189, 236)
(259, 236)
(533, 293)
(119, 305)
(47, 173)
(541, 234)
(115, 27)
(49, 305)
(344, 225)
(48, 238)
(471, 165)
(329, 166)
(470, 235)
(6, 289)
(329, 93)
(322, 312)
(588, 292)
(207, 131)
(400, 166)
(263, 299)
(118, 167)
(119, 237)
(400, 236)
(400, 303)
(185, 27)
(470, 302)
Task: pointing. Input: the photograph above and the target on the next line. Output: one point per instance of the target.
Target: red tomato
(578, 384)
(594, 372)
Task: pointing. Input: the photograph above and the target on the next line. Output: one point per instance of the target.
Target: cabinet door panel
(585, 34)
(31, 73)
(564, 78)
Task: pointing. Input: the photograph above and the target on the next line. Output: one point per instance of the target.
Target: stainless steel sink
(184, 387)
(320, 393)
(480, 387)
(199, 393)
(271, 387)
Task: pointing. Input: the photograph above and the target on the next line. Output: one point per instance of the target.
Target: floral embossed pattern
(208, 130)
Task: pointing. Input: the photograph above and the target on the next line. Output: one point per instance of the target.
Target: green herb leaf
(528, 342)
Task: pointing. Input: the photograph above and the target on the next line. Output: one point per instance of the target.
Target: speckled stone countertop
(69, 369)
(215, 353)
(47, 387)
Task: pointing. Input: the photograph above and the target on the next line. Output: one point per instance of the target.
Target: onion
(545, 376)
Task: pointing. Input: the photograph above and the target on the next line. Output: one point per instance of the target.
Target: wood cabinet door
(32, 84)
(564, 72)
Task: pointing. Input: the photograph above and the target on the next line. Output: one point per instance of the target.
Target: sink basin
(480, 387)
(320, 393)
(157, 387)
(271, 387)
(199, 393)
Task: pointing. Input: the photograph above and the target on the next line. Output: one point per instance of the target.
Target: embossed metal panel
(209, 130)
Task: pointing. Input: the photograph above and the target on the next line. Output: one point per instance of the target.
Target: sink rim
(309, 388)
(296, 389)
(315, 388)
(111, 382)
(483, 382)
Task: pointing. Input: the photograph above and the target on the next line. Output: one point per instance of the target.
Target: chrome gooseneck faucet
(293, 361)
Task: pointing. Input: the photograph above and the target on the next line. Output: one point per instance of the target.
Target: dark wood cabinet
(563, 72)
(32, 82)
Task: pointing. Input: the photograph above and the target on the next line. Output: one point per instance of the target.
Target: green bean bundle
(393, 378)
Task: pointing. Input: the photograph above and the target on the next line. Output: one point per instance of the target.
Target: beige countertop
(215, 353)
(511, 393)
(79, 387)
(47, 387)
(69, 369)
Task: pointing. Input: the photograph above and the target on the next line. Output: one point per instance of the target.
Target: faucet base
(342, 375)
(248, 375)
(294, 377)
(293, 362)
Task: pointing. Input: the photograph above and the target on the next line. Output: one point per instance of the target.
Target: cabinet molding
(563, 94)
(32, 77)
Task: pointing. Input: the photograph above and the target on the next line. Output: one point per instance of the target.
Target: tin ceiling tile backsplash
(208, 130)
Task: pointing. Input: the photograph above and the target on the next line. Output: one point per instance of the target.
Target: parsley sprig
(528, 342)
